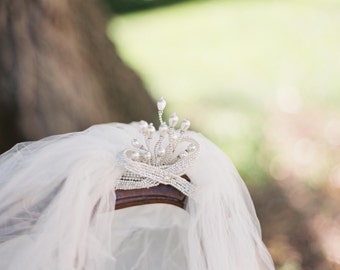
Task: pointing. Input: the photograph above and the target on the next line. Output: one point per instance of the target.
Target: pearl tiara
(163, 158)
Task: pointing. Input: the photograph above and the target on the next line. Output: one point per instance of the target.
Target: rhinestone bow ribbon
(159, 160)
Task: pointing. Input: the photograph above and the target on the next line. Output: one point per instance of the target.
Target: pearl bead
(183, 154)
(151, 130)
(135, 156)
(163, 129)
(161, 104)
(185, 125)
(191, 148)
(143, 126)
(136, 143)
(161, 152)
(173, 120)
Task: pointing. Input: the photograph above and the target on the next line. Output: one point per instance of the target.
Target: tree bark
(60, 73)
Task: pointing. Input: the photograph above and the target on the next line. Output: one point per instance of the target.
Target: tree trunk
(60, 73)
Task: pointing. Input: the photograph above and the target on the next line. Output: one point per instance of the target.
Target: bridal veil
(57, 210)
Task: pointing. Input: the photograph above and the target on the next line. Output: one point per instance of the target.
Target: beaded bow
(161, 160)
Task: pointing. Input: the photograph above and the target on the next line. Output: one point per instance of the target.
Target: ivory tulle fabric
(50, 188)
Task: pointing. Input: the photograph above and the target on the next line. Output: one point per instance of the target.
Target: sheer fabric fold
(57, 210)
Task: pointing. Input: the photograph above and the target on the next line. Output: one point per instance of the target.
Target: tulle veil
(57, 210)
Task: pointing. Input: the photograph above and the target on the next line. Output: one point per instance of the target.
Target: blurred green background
(262, 80)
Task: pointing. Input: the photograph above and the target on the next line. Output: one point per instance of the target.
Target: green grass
(223, 63)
